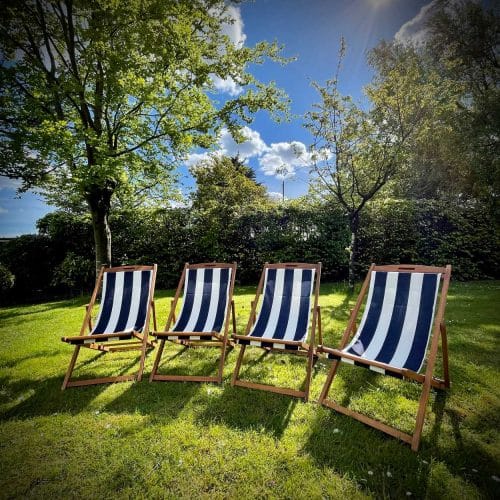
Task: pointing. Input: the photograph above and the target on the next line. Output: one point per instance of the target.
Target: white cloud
(253, 145)
(414, 31)
(280, 160)
(195, 158)
(275, 196)
(283, 158)
(226, 85)
(237, 36)
(234, 30)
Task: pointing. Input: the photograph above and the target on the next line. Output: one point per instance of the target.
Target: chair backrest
(397, 321)
(206, 294)
(126, 296)
(286, 304)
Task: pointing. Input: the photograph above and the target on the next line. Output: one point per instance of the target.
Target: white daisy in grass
(370, 473)
(409, 493)
(495, 478)
(389, 473)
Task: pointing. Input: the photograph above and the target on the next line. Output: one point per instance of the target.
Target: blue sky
(310, 30)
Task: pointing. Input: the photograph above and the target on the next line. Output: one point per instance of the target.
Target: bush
(60, 259)
(433, 233)
(74, 274)
(7, 279)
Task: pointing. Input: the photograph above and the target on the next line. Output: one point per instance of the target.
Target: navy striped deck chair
(204, 318)
(400, 329)
(122, 323)
(291, 293)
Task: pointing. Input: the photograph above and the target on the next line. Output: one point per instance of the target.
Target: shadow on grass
(38, 308)
(39, 354)
(243, 409)
(44, 397)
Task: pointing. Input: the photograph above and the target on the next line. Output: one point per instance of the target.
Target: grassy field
(186, 440)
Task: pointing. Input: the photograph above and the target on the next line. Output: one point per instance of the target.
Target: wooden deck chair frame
(304, 349)
(140, 342)
(208, 339)
(427, 380)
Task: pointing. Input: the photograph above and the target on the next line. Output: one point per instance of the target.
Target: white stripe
(198, 294)
(377, 369)
(365, 312)
(438, 279)
(186, 279)
(410, 323)
(309, 308)
(347, 360)
(214, 301)
(103, 294)
(391, 285)
(135, 301)
(293, 317)
(270, 330)
(117, 302)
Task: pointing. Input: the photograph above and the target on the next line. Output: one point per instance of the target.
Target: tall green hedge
(60, 259)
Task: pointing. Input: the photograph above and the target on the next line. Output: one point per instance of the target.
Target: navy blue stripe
(397, 319)
(260, 326)
(106, 304)
(305, 304)
(286, 300)
(128, 281)
(373, 315)
(143, 301)
(84, 338)
(205, 300)
(333, 356)
(187, 305)
(221, 306)
(422, 331)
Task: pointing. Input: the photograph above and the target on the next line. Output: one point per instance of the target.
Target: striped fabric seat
(397, 322)
(123, 308)
(206, 295)
(285, 311)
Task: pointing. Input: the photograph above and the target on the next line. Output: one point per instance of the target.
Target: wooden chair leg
(143, 358)
(233, 314)
(157, 360)
(221, 361)
(310, 361)
(422, 405)
(238, 365)
(71, 367)
(444, 350)
(328, 381)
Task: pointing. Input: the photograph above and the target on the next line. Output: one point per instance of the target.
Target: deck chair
(283, 320)
(206, 311)
(122, 322)
(397, 325)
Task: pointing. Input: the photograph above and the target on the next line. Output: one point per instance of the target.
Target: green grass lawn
(188, 440)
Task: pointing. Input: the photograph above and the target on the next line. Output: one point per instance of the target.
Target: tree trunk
(353, 249)
(99, 201)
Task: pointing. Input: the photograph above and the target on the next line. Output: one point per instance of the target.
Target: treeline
(59, 260)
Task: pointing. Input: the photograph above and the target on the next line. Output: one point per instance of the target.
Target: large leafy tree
(100, 99)
(356, 152)
(226, 185)
(225, 189)
(456, 151)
